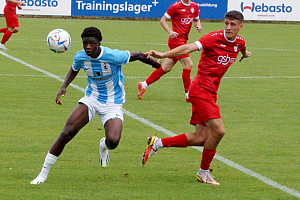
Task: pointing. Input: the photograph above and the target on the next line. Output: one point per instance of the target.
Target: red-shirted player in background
(11, 20)
(183, 14)
(219, 51)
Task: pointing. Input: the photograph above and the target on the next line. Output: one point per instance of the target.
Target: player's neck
(186, 2)
(97, 53)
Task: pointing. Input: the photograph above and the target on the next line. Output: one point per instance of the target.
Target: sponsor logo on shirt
(186, 20)
(224, 60)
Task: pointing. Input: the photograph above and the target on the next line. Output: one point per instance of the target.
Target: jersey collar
(227, 39)
(185, 3)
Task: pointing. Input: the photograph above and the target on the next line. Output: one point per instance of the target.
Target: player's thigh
(78, 118)
(113, 129)
(168, 65)
(186, 62)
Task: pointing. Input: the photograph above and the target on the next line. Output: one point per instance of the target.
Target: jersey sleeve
(170, 12)
(117, 57)
(197, 12)
(207, 41)
(77, 63)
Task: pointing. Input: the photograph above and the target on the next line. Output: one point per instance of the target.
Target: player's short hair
(92, 32)
(234, 15)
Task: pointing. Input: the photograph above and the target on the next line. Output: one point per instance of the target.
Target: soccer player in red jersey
(219, 51)
(183, 14)
(11, 20)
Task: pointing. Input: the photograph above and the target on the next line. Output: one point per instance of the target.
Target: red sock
(2, 30)
(155, 76)
(186, 78)
(176, 141)
(207, 157)
(6, 36)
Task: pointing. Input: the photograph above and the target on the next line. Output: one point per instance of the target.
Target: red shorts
(173, 46)
(204, 105)
(12, 20)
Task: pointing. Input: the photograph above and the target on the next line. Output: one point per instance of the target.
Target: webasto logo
(266, 8)
(41, 3)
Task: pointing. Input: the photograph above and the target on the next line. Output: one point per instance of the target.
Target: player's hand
(247, 54)
(199, 28)
(62, 93)
(173, 35)
(154, 54)
(20, 4)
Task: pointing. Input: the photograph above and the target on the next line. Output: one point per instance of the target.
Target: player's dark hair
(92, 32)
(235, 15)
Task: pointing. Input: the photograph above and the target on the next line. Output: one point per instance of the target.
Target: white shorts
(105, 111)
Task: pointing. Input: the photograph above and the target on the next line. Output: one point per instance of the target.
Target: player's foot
(38, 180)
(205, 177)
(104, 153)
(141, 90)
(3, 47)
(151, 149)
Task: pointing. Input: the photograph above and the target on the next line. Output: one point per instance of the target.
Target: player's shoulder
(215, 34)
(239, 38)
(80, 54)
(193, 3)
(176, 4)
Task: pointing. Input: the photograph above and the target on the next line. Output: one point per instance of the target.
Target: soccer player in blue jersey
(104, 96)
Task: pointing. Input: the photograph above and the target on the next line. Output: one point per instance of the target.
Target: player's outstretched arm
(178, 51)
(143, 58)
(245, 54)
(69, 78)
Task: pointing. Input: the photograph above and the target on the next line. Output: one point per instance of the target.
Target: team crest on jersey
(105, 66)
(235, 48)
(192, 10)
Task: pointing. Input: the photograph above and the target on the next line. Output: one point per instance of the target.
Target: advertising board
(268, 10)
(43, 7)
(209, 9)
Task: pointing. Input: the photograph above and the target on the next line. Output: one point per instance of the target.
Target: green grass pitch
(259, 101)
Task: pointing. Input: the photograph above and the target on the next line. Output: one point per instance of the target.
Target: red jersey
(217, 55)
(10, 8)
(182, 16)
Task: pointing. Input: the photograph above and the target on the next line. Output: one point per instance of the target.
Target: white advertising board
(43, 7)
(268, 10)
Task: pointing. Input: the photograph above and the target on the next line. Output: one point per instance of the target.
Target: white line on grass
(169, 133)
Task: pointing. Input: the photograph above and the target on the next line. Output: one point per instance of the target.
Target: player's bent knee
(112, 144)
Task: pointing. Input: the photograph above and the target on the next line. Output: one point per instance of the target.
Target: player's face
(232, 28)
(91, 46)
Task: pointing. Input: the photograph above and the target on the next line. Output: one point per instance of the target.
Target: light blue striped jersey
(104, 75)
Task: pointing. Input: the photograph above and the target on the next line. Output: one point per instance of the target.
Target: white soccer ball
(58, 40)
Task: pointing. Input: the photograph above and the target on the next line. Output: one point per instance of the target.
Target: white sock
(103, 145)
(159, 144)
(202, 170)
(42, 177)
(144, 85)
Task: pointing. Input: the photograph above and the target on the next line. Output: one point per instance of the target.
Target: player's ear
(241, 26)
